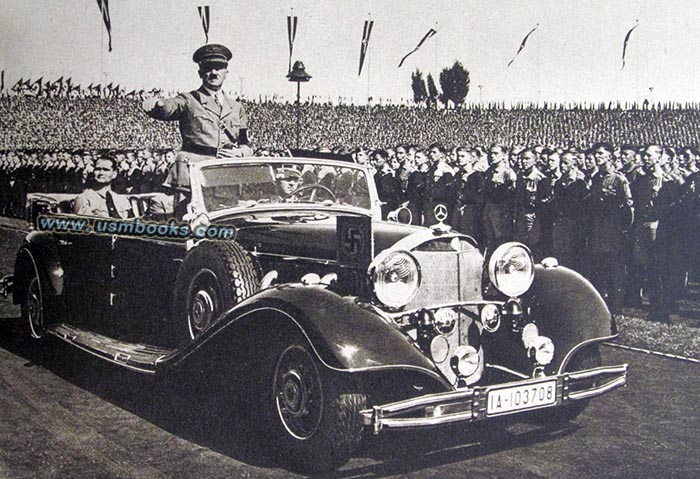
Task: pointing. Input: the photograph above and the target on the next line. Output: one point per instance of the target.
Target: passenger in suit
(100, 200)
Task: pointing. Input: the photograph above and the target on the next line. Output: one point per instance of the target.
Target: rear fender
(39, 251)
(568, 309)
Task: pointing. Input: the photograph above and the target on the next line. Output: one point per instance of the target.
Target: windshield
(245, 185)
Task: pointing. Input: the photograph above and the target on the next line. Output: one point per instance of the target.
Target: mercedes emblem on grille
(440, 212)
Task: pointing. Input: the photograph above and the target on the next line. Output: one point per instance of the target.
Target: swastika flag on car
(366, 32)
(104, 8)
(425, 38)
(204, 16)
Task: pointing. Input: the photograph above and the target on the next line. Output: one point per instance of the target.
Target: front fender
(41, 251)
(345, 335)
(568, 309)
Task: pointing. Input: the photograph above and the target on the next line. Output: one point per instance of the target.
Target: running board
(140, 357)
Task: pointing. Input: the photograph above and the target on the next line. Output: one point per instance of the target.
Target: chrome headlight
(396, 278)
(511, 269)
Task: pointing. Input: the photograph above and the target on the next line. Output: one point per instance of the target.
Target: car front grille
(448, 276)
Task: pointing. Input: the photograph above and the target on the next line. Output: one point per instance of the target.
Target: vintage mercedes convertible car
(349, 325)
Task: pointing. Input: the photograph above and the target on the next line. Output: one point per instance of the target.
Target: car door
(143, 274)
(85, 259)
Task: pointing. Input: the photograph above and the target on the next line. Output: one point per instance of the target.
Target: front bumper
(470, 405)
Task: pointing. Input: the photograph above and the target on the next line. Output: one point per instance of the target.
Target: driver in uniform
(212, 124)
(287, 181)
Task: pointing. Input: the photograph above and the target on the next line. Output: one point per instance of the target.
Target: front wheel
(315, 412)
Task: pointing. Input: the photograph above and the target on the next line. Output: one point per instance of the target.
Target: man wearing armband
(212, 124)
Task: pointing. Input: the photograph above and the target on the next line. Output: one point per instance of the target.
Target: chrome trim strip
(508, 370)
(572, 351)
(444, 305)
(334, 209)
(598, 390)
(286, 257)
(397, 423)
(427, 400)
(589, 373)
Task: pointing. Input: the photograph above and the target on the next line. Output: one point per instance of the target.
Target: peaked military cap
(212, 53)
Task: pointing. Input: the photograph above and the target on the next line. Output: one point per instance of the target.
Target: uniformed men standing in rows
(611, 215)
(469, 195)
(568, 218)
(499, 194)
(532, 188)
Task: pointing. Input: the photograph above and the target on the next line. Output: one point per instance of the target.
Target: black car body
(355, 323)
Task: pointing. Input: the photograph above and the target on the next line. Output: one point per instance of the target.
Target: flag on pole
(57, 86)
(426, 37)
(522, 44)
(624, 44)
(366, 32)
(38, 86)
(204, 16)
(291, 35)
(18, 86)
(104, 8)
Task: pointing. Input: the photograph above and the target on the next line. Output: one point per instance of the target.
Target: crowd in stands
(62, 123)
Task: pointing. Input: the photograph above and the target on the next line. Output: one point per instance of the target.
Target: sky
(574, 55)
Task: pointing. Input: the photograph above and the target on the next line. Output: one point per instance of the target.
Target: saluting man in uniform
(212, 125)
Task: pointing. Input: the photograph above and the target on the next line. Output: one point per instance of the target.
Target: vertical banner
(291, 35)
(425, 38)
(624, 44)
(366, 33)
(104, 8)
(204, 16)
(2, 82)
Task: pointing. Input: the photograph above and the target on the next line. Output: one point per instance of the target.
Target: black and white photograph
(349, 239)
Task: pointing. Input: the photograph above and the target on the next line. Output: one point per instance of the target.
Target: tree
(432, 91)
(447, 85)
(454, 82)
(420, 93)
(460, 80)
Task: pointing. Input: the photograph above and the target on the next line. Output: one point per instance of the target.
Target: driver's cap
(287, 172)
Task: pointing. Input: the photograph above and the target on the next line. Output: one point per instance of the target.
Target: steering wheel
(314, 188)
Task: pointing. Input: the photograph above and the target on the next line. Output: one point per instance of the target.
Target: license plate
(520, 398)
